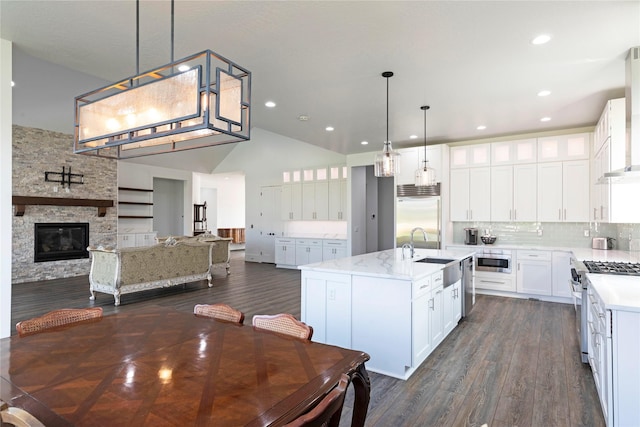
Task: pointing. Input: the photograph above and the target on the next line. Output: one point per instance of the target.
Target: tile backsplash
(559, 234)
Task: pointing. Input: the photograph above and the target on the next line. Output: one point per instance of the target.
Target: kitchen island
(395, 308)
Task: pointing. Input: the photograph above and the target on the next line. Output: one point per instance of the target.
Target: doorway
(168, 207)
(373, 214)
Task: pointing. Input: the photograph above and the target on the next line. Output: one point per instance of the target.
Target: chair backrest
(219, 311)
(55, 318)
(283, 323)
(17, 417)
(328, 411)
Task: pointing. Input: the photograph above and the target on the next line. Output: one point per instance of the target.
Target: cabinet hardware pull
(491, 281)
(560, 214)
(565, 214)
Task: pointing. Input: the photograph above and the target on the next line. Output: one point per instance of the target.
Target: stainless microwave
(493, 262)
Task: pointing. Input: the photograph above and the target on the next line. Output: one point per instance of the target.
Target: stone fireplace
(36, 151)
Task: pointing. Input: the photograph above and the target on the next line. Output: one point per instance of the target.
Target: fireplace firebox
(60, 241)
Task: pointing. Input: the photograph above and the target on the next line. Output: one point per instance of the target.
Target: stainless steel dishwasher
(467, 286)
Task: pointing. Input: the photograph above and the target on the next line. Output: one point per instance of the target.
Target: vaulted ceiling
(472, 61)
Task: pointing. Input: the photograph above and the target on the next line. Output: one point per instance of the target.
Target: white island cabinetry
(395, 310)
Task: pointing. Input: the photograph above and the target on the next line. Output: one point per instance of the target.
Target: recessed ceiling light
(364, 142)
(413, 136)
(270, 104)
(541, 39)
(329, 128)
(481, 127)
(303, 118)
(184, 67)
(544, 93)
(13, 83)
(545, 119)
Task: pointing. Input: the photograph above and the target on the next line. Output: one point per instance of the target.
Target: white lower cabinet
(436, 315)
(495, 281)
(308, 251)
(285, 254)
(452, 306)
(291, 252)
(332, 249)
(132, 240)
(420, 337)
(614, 351)
(397, 322)
(561, 274)
(326, 307)
(534, 272)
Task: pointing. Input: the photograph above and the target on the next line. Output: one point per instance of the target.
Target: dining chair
(55, 318)
(17, 417)
(283, 323)
(220, 312)
(328, 411)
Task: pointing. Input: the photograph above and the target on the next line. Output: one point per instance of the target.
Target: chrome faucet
(424, 234)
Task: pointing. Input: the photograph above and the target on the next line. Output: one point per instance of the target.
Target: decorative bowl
(488, 240)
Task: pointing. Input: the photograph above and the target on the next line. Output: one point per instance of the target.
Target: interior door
(270, 222)
(168, 207)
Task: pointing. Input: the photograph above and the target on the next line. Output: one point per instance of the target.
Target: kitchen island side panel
(381, 323)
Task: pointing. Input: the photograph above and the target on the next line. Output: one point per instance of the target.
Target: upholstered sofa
(221, 251)
(122, 271)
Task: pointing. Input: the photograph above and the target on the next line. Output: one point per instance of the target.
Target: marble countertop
(389, 264)
(582, 254)
(618, 292)
(328, 236)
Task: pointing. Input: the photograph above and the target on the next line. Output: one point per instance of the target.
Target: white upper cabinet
(470, 194)
(411, 160)
(470, 156)
(611, 127)
(514, 152)
(315, 200)
(563, 191)
(291, 202)
(564, 147)
(409, 163)
(513, 193)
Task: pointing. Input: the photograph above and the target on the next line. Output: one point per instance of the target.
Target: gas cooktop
(608, 267)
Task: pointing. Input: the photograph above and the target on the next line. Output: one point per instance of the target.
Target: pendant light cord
(425, 108)
(387, 75)
(172, 36)
(137, 37)
(172, 27)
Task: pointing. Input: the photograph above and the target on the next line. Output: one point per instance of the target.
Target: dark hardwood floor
(511, 362)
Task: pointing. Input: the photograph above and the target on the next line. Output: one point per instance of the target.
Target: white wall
(135, 175)
(262, 160)
(6, 207)
(230, 200)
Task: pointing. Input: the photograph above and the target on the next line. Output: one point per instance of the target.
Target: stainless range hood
(632, 110)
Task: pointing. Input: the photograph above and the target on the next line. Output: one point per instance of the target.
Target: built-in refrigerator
(423, 212)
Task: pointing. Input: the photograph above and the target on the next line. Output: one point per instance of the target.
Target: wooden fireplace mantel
(20, 202)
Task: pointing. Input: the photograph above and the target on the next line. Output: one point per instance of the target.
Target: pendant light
(425, 176)
(386, 163)
(199, 101)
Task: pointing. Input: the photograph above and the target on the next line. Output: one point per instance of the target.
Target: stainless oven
(494, 260)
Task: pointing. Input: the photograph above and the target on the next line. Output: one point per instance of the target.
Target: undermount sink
(435, 260)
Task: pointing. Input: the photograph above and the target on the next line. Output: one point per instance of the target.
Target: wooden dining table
(162, 367)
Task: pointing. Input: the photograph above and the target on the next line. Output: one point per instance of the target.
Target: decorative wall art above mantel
(66, 178)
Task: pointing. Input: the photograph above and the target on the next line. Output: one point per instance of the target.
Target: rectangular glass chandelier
(198, 101)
